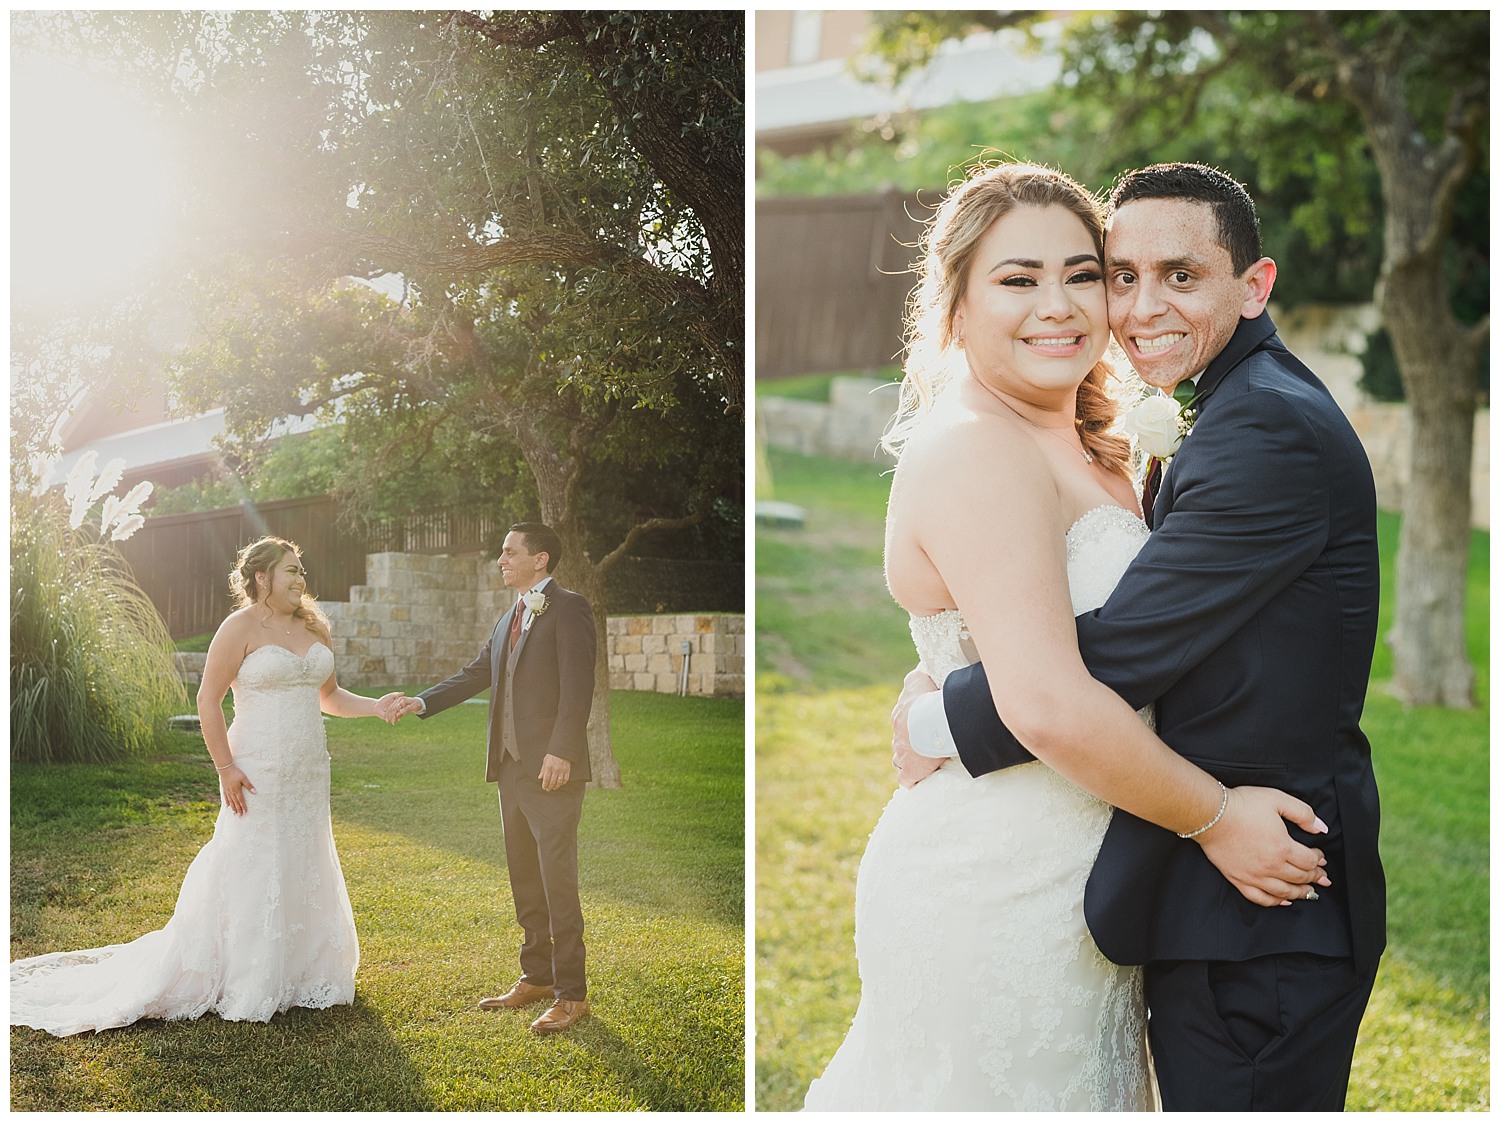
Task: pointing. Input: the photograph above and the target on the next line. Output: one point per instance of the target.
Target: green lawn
(817, 387)
(831, 648)
(98, 853)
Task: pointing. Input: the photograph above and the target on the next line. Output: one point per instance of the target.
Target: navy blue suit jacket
(1249, 620)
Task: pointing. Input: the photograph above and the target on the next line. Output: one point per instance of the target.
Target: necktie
(1151, 489)
(515, 624)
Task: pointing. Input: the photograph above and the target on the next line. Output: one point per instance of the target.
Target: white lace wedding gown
(981, 987)
(262, 922)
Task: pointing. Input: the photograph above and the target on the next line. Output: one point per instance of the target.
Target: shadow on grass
(651, 1088)
(330, 1059)
(672, 838)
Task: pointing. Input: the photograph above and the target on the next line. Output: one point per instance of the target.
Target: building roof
(797, 99)
(166, 443)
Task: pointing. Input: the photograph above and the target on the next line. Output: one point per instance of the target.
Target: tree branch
(364, 248)
(645, 528)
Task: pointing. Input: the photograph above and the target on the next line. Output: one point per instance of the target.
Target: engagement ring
(1312, 893)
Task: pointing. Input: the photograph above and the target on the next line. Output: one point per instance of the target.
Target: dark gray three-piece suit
(541, 691)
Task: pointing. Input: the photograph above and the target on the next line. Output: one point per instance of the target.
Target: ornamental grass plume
(92, 673)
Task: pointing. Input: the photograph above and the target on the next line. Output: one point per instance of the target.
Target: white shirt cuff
(927, 726)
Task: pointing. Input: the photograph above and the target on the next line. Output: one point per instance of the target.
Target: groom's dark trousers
(540, 696)
(1249, 620)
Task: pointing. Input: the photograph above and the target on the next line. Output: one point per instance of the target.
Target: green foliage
(1380, 377)
(923, 152)
(560, 195)
(91, 669)
(98, 853)
(293, 467)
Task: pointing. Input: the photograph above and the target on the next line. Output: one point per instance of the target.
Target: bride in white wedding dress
(1011, 510)
(263, 922)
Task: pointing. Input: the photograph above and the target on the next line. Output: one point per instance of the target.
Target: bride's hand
(911, 766)
(233, 783)
(1251, 847)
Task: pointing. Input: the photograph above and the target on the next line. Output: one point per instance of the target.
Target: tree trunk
(1439, 362)
(576, 571)
(585, 578)
(1439, 372)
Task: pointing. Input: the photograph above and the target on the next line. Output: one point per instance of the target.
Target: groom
(538, 665)
(1249, 619)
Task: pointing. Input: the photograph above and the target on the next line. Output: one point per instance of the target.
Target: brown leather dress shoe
(563, 1015)
(521, 994)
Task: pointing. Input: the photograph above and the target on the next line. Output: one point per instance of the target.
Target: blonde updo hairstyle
(933, 356)
(264, 556)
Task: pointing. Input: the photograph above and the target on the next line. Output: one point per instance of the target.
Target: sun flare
(92, 199)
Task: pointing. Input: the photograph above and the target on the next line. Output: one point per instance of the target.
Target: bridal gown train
(263, 921)
(981, 988)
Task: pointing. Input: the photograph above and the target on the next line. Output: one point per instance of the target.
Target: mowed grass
(98, 854)
(831, 651)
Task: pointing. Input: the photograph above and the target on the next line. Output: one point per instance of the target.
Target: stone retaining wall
(417, 618)
(421, 617)
(647, 652)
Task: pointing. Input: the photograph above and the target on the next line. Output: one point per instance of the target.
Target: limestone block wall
(190, 670)
(1385, 430)
(847, 426)
(647, 652)
(418, 618)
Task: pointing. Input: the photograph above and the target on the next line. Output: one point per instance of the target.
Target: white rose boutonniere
(536, 603)
(1161, 423)
(1157, 426)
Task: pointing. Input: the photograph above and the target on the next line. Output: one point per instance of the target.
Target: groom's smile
(519, 567)
(1174, 296)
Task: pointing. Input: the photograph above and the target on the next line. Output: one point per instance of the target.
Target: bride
(1012, 510)
(263, 921)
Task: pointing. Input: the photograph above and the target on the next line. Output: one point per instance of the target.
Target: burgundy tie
(515, 624)
(1151, 489)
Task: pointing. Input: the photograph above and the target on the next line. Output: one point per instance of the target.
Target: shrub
(92, 676)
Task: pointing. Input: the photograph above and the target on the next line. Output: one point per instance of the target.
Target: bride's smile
(1033, 318)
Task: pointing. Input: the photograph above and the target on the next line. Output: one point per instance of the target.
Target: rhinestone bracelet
(1223, 802)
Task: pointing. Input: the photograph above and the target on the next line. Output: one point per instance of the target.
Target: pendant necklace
(1081, 450)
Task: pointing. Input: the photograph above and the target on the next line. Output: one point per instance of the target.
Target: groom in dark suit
(1249, 619)
(538, 665)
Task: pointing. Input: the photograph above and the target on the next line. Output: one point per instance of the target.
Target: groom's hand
(911, 766)
(388, 708)
(1251, 847)
(555, 772)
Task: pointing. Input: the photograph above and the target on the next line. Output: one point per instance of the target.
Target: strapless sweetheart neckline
(1077, 522)
(299, 657)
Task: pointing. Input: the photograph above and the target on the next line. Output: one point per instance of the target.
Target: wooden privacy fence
(182, 561)
(831, 281)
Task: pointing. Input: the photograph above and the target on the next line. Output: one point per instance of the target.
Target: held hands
(1251, 847)
(555, 772)
(393, 706)
(911, 767)
(233, 783)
